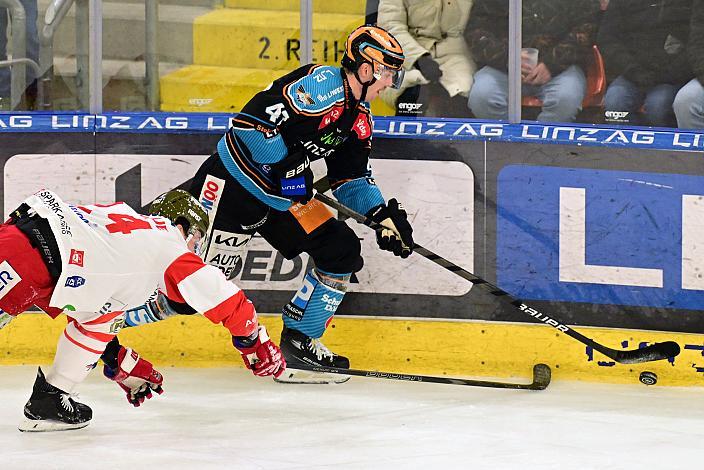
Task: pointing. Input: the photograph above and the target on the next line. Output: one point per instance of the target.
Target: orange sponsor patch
(311, 215)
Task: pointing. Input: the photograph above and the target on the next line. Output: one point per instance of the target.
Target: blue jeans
(624, 95)
(689, 106)
(562, 96)
(30, 7)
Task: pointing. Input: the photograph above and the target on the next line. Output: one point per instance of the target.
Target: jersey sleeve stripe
(237, 314)
(206, 288)
(178, 270)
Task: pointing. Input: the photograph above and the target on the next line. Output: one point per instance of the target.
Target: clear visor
(386, 74)
(195, 241)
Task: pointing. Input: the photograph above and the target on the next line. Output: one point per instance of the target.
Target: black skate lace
(320, 349)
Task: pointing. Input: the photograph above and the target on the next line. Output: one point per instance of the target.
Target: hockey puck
(648, 378)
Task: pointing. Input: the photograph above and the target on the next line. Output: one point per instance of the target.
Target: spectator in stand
(438, 67)
(562, 32)
(30, 10)
(689, 101)
(644, 49)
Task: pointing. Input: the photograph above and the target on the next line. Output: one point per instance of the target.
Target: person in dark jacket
(689, 101)
(644, 48)
(562, 32)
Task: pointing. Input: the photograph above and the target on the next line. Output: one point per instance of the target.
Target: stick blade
(653, 352)
(541, 377)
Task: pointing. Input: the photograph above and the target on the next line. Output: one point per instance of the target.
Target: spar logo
(76, 257)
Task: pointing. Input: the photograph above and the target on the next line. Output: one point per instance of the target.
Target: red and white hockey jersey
(113, 259)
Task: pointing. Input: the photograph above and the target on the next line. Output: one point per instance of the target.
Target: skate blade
(295, 376)
(48, 425)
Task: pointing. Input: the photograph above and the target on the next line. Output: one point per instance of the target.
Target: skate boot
(52, 409)
(301, 350)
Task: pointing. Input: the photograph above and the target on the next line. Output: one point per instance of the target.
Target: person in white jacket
(438, 65)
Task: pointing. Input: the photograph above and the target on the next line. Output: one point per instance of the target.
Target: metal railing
(18, 73)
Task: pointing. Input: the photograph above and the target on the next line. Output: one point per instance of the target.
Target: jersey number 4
(124, 223)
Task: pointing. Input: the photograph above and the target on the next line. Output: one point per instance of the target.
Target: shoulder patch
(316, 92)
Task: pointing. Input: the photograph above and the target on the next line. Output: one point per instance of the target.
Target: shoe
(302, 350)
(52, 409)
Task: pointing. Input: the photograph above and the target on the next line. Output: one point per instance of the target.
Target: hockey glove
(260, 355)
(295, 178)
(397, 234)
(135, 376)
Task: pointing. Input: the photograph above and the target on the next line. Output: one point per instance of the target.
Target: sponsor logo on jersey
(332, 116)
(49, 199)
(330, 94)
(8, 278)
(76, 257)
(75, 281)
(362, 127)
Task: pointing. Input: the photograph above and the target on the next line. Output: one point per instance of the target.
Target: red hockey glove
(260, 355)
(135, 376)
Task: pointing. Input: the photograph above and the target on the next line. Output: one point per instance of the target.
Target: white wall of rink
(438, 195)
(226, 418)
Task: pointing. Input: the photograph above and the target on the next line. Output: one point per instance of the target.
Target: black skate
(299, 350)
(52, 409)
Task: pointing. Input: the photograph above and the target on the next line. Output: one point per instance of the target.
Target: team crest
(303, 96)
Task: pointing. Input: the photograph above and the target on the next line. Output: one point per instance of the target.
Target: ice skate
(299, 349)
(52, 409)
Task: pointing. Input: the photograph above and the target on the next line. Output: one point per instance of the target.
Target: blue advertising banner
(601, 236)
(394, 127)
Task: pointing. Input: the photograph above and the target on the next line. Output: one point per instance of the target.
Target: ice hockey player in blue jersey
(259, 181)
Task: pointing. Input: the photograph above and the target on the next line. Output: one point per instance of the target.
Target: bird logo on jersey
(303, 96)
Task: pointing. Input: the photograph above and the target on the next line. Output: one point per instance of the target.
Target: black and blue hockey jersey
(310, 111)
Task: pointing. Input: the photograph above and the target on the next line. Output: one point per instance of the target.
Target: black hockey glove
(397, 236)
(295, 178)
(429, 68)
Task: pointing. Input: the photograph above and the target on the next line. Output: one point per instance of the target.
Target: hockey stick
(541, 377)
(653, 352)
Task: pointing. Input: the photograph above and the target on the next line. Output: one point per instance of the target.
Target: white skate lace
(66, 401)
(320, 349)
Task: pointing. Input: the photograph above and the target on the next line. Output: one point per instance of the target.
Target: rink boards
(429, 347)
(601, 228)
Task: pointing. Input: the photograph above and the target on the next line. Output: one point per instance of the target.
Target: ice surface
(226, 418)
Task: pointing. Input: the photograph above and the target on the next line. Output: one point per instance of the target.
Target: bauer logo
(75, 281)
(8, 278)
(597, 236)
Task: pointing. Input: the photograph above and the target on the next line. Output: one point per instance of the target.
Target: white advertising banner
(438, 195)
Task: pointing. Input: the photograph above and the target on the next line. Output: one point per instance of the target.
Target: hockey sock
(312, 308)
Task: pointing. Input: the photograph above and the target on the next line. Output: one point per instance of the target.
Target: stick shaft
(649, 353)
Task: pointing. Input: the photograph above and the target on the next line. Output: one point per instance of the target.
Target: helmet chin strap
(365, 85)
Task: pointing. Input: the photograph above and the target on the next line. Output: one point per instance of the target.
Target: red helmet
(377, 47)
